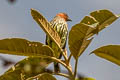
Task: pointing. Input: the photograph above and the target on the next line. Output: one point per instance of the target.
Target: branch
(69, 58)
(62, 74)
(64, 64)
(63, 53)
(75, 70)
(59, 61)
(59, 74)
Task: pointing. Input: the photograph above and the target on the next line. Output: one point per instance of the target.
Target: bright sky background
(16, 21)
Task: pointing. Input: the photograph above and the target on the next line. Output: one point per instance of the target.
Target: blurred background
(16, 21)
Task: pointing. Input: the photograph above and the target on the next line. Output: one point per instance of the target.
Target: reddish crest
(64, 16)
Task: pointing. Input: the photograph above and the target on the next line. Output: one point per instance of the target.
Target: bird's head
(64, 16)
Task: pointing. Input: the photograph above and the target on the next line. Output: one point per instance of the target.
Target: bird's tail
(56, 67)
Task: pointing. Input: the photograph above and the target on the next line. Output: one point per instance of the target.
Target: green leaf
(90, 25)
(17, 46)
(44, 76)
(87, 78)
(104, 18)
(26, 68)
(91, 21)
(45, 25)
(78, 40)
(109, 52)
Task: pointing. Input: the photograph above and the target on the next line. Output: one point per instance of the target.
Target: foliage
(109, 52)
(41, 55)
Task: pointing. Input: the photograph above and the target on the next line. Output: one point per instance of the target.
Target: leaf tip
(32, 9)
(91, 53)
(118, 15)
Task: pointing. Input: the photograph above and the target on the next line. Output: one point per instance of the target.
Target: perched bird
(59, 24)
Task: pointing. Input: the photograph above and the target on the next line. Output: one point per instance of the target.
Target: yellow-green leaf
(89, 20)
(78, 39)
(104, 18)
(109, 52)
(87, 78)
(26, 68)
(89, 26)
(17, 46)
(45, 25)
(45, 76)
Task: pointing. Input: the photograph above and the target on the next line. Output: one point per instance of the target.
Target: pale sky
(16, 21)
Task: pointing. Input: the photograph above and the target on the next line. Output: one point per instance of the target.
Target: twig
(69, 58)
(63, 53)
(59, 74)
(62, 74)
(59, 61)
(75, 70)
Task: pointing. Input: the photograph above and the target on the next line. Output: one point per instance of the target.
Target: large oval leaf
(104, 17)
(26, 68)
(87, 78)
(109, 52)
(78, 41)
(89, 20)
(89, 26)
(82, 77)
(44, 76)
(44, 24)
(17, 46)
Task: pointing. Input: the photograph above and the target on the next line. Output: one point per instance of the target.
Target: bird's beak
(69, 19)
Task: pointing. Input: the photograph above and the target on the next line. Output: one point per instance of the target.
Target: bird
(59, 24)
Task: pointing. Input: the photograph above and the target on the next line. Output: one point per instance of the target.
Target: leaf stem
(69, 58)
(64, 64)
(63, 53)
(62, 74)
(76, 65)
